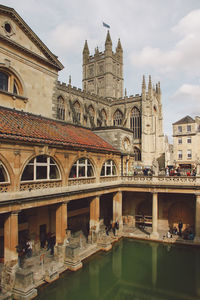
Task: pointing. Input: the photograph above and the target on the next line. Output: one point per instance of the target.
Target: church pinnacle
(108, 40)
(86, 49)
(119, 46)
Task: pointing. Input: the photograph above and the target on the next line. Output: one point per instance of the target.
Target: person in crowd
(29, 248)
(174, 231)
(188, 173)
(194, 172)
(107, 230)
(169, 235)
(180, 226)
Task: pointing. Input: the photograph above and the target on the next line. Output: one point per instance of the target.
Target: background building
(186, 139)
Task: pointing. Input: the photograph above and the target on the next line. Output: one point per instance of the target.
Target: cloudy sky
(159, 38)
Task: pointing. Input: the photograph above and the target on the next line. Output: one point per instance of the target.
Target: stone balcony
(87, 188)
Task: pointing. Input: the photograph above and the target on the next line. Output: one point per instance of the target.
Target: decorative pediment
(15, 32)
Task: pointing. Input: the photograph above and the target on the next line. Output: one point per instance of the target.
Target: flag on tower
(106, 25)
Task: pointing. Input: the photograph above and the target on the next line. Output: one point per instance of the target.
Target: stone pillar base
(73, 265)
(24, 288)
(197, 239)
(104, 243)
(154, 235)
(72, 260)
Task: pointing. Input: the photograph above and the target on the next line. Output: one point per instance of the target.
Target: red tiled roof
(21, 126)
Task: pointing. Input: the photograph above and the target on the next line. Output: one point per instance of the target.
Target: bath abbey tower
(131, 124)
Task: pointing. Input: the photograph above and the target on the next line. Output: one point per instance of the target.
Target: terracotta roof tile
(17, 125)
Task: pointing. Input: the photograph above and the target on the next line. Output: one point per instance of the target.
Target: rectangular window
(180, 155)
(179, 128)
(189, 153)
(179, 140)
(189, 140)
(188, 128)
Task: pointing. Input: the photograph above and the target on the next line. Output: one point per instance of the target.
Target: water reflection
(133, 270)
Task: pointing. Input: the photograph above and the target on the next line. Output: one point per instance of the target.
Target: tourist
(188, 173)
(52, 242)
(29, 248)
(107, 230)
(174, 230)
(169, 235)
(21, 252)
(194, 172)
(167, 171)
(117, 225)
(180, 226)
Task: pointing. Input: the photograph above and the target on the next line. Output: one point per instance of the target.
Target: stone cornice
(29, 52)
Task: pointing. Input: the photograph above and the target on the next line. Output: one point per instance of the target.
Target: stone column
(154, 233)
(61, 222)
(197, 219)
(94, 213)
(117, 208)
(11, 237)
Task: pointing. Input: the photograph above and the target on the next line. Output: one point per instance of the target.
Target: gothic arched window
(41, 167)
(109, 168)
(82, 168)
(117, 118)
(137, 154)
(60, 108)
(77, 109)
(135, 123)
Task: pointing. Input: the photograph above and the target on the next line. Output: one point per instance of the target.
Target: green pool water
(132, 270)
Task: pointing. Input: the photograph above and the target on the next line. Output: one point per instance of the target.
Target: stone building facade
(186, 140)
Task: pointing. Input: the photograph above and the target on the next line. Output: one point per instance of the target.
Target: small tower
(150, 87)
(143, 88)
(103, 72)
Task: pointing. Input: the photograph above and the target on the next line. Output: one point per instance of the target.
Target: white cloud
(67, 37)
(188, 24)
(189, 90)
(183, 55)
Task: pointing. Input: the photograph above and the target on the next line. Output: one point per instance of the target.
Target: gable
(14, 30)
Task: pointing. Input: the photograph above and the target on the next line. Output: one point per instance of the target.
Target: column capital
(65, 202)
(154, 192)
(15, 212)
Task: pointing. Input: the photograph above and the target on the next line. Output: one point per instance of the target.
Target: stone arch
(117, 118)
(70, 175)
(78, 110)
(16, 81)
(114, 164)
(61, 108)
(181, 210)
(135, 122)
(58, 165)
(8, 169)
(137, 154)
